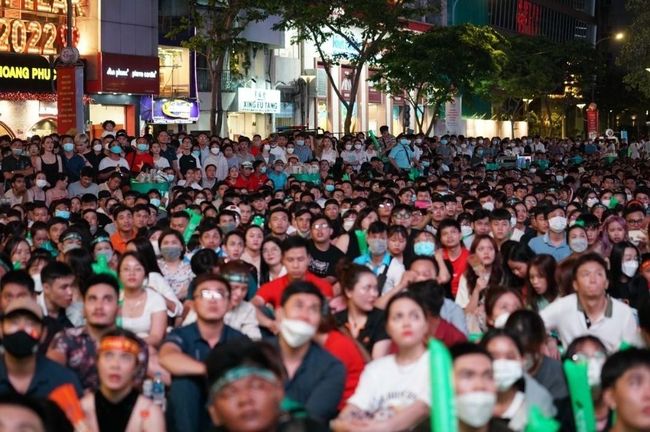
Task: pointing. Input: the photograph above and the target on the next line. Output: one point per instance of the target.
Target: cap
(120, 133)
(247, 164)
(234, 208)
(24, 304)
(279, 162)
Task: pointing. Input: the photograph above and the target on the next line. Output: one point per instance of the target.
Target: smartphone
(422, 204)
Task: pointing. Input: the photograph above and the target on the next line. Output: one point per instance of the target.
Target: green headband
(238, 373)
(236, 277)
(100, 239)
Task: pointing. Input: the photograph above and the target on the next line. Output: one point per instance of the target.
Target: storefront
(115, 90)
(252, 111)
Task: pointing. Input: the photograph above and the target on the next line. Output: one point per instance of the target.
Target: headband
(238, 373)
(119, 343)
(236, 277)
(645, 266)
(71, 236)
(101, 239)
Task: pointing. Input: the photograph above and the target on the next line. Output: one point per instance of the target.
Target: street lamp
(618, 36)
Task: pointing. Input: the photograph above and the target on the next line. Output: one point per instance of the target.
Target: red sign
(592, 121)
(528, 17)
(67, 95)
(129, 74)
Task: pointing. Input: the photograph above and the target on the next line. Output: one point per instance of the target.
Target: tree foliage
(430, 68)
(635, 54)
(216, 27)
(366, 28)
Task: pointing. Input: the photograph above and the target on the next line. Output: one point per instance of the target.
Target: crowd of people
(291, 283)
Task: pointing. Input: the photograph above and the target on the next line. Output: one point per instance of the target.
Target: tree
(432, 67)
(635, 55)
(365, 28)
(216, 27)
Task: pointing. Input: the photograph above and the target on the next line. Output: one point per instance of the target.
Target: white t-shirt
(462, 295)
(386, 387)
(141, 325)
(158, 283)
(107, 162)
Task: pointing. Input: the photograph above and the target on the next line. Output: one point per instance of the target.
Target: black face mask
(20, 344)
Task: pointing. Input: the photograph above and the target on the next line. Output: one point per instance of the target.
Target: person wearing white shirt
(590, 311)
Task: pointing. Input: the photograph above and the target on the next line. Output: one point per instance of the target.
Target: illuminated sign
(28, 73)
(36, 26)
(169, 111)
(129, 74)
(258, 100)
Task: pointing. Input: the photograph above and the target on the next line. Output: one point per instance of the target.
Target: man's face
(403, 218)
(124, 221)
(59, 292)
(210, 239)
(302, 222)
(450, 237)
(590, 280)
(303, 307)
(114, 183)
(40, 214)
(248, 404)
(438, 211)
(85, 181)
(635, 220)
(473, 373)
(19, 185)
(279, 223)
(321, 231)
(140, 219)
(500, 229)
(11, 292)
(296, 261)
(541, 224)
(18, 418)
(100, 306)
(630, 397)
(423, 269)
(211, 301)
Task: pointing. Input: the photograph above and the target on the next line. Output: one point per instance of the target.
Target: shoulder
(231, 334)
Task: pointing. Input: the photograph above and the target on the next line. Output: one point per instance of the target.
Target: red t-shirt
(242, 182)
(138, 160)
(448, 334)
(256, 181)
(272, 291)
(458, 265)
(344, 349)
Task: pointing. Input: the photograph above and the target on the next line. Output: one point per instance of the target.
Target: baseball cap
(24, 304)
(247, 164)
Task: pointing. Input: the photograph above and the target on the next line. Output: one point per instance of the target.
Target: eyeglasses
(399, 216)
(385, 205)
(213, 295)
(320, 226)
(635, 221)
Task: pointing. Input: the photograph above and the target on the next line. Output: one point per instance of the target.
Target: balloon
(195, 220)
(66, 398)
(374, 140)
(583, 406)
(443, 408)
(361, 240)
(538, 423)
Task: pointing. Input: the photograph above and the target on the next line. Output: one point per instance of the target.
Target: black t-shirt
(324, 263)
(114, 417)
(186, 162)
(374, 330)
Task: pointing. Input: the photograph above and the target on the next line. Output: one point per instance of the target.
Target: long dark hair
(496, 272)
(546, 265)
(518, 253)
(264, 267)
(148, 256)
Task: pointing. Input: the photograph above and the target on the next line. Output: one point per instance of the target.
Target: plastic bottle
(147, 388)
(158, 391)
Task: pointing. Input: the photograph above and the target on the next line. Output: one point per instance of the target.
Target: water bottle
(147, 388)
(158, 391)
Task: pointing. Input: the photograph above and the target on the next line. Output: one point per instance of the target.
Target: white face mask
(475, 408)
(214, 150)
(513, 221)
(156, 248)
(578, 245)
(466, 230)
(629, 268)
(594, 367)
(506, 373)
(557, 224)
(489, 206)
(296, 333)
(41, 183)
(500, 321)
(97, 147)
(347, 224)
(591, 202)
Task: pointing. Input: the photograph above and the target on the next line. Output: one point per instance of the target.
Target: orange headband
(119, 343)
(645, 266)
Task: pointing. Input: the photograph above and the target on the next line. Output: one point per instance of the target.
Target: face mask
(143, 147)
(156, 247)
(329, 187)
(357, 146)
(443, 141)
(513, 221)
(629, 268)
(300, 142)
(199, 201)
(475, 408)
(377, 246)
(154, 202)
(533, 170)
(348, 147)
(20, 344)
(63, 214)
(228, 227)
(41, 183)
(296, 333)
(289, 150)
(506, 373)
(263, 170)
(425, 164)
(578, 245)
(559, 178)
(557, 224)
(418, 140)
(591, 202)
(403, 141)
(196, 154)
(594, 367)
(347, 224)
(68, 147)
(214, 150)
(500, 321)
(116, 149)
(106, 253)
(171, 253)
(606, 202)
(426, 248)
(489, 206)
(466, 230)
(97, 147)
(70, 247)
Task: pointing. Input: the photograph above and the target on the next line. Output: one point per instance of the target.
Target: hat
(24, 304)
(120, 133)
(247, 164)
(279, 162)
(233, 208)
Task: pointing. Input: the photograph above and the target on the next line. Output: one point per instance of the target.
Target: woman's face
(131, 273)
(237, 293)
(234, 247)
(504, 348)
(39, 238)
(615, 232)
(48, 144)
(364, 293)
(254, 239)
(537, 280)
(396, 244)
(75, 206)
(578, 233)
(506, 304)
(365, 223)
(105, 247)
(485, 252)
(630, 255)
(21, 254)
(518, 268)
(406, 325)
(271, 253)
